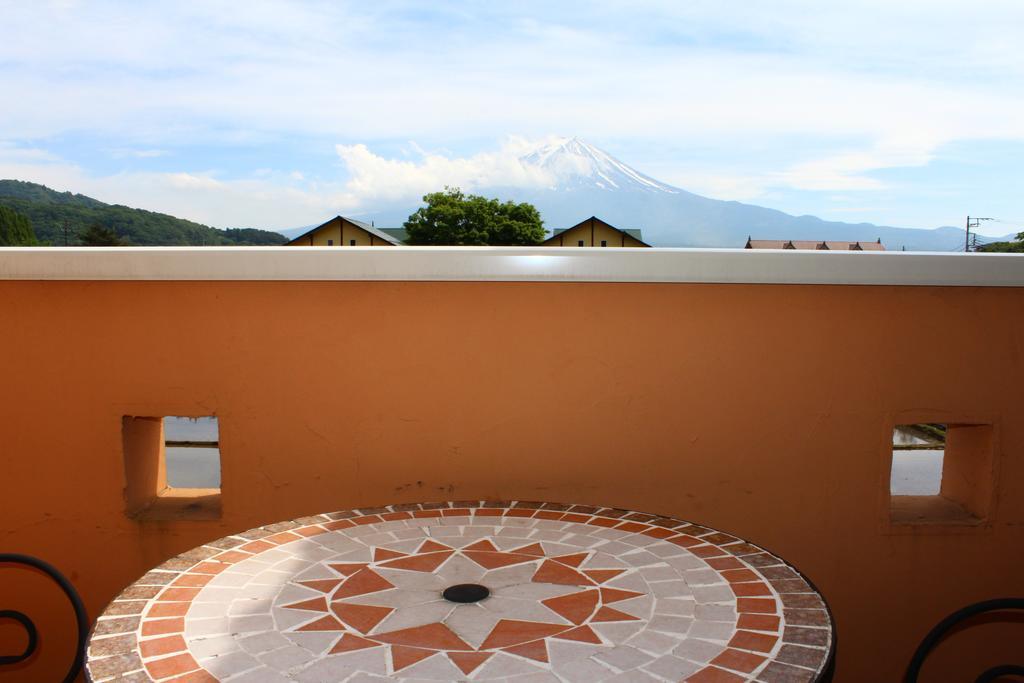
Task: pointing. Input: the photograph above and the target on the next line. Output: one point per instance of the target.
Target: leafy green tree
(15, 229)
(454, 218)
(98, 235)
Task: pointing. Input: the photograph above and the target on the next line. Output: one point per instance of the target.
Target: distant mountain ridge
(586, 181)
(49, 210)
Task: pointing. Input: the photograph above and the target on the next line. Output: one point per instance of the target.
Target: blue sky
(276, 115)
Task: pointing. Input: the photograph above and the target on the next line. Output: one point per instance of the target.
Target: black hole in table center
(465, 592)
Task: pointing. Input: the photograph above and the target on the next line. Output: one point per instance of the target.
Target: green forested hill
(50, 210)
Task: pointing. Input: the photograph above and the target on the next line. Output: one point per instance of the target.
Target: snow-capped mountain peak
(575, 163)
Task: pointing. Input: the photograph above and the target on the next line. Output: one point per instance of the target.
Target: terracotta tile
(362, 582)
(707, 550)
(178, 594)
(584, 509)
(232, 556)
(738, 660)
(349, 642)
(509, 632)
(419, 563)
(282, 538)
(308, 531)
(712, 674)
(758, 622)
(612, 614)
(368, 519)
(322, 585)
(573, 517)
(394, 516)
(426, 514)
(739, 575)
(402, 657)
(685, 541)
(158, 627)
(468, 662)
(162, 646)
(723, 563)
(616, 594)
(208, 568)
(327, 623)
(382, 554)
(338, 524)
(760, 605)
(171, 666)
(747, 590)
(520, 513)
(602, 575)
(531, 549)
(193, 580)
(167, 609)
(536, 650)
(554, 572)
(583, 634)
(430, 546)
(549, 514)
(488, 512)
(495, 560)
(456, 512)
(574, 560)
(256, 547)
(483, 545)
(436, 636)
(659, 532)
(748, 640)
(575, 607)
(360, 617)
(631, 527)
(603, 521)
(314, 605)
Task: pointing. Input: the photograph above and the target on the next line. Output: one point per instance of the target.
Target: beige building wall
(592, 232)
(339, 232)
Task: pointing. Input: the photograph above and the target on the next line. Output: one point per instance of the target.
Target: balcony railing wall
(753, 395)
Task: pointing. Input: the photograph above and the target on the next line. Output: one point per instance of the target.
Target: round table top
(477, 591)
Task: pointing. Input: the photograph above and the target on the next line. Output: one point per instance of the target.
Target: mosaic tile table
(475, 591)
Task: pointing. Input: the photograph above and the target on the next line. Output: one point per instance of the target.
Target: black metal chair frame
(81, 618)
(937, 634)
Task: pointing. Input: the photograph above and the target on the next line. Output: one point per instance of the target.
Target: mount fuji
(578, 180)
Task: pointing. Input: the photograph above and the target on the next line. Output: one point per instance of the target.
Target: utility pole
(972, 223)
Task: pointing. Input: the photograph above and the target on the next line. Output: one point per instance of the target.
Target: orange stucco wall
(761, 410)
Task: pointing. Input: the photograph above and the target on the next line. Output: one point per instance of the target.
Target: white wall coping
(513, 264)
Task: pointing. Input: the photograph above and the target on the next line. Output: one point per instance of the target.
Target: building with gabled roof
(344, 232)
(594, 232)
(811, 245)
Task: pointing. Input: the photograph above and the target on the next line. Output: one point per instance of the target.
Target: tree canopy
(15, 229)
(455, 218)
(98, 235)
(51, 211)
(1016, 246)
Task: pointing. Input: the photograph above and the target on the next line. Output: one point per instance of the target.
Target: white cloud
(373, 177)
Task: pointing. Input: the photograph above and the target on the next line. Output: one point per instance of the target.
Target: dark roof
(808, 245)
(376, 232)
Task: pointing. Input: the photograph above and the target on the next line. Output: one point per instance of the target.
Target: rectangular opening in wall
(941, 473)
(192, 452)
(172, 467)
